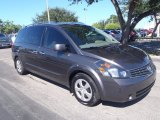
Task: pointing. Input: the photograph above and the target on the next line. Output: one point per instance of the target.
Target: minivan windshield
(88, 37)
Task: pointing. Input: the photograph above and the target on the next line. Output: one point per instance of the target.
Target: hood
(125, 56)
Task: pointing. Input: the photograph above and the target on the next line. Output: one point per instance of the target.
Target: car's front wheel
(85, 89)
(19, 67)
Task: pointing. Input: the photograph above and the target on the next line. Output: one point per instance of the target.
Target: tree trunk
(157, 23)
(155, 28)
(119, 13)
(125, 34)
(140, 17)
(125, 26)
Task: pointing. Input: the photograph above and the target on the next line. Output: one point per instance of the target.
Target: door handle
(42, 53)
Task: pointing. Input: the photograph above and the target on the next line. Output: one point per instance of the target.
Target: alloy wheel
(19, 66)
(83, 90)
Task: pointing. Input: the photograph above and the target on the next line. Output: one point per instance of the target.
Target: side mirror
(60, 47)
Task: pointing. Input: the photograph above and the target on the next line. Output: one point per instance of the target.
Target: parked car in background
(92, 64)
(114, 33)
(12, 37)
(109, 32)
(133, 36)
(151, 32)
(117, 34)
(143, 33)
(4, 41)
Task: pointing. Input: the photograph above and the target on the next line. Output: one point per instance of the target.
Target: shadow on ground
(150, 46)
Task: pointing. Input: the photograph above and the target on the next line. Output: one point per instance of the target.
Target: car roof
(56, 23)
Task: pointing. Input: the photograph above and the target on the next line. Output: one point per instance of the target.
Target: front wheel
(85, 89)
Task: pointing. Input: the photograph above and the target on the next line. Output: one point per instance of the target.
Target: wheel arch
(88, 71)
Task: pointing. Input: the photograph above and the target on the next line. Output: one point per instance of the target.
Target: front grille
(143, 71)
(144, 91)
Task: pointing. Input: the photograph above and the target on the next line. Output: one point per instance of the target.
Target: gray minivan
(92, 64)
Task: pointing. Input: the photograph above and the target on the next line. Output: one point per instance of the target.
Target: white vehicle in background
(12, 37)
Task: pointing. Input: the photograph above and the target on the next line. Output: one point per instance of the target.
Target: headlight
(109, 70)
(117, 73)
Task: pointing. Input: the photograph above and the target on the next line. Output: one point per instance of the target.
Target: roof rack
(55, 23)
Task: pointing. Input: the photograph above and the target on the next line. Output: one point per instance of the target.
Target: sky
(23, 11)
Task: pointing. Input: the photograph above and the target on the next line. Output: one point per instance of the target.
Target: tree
(111, 23)
(112, 19)
(157, 22)
(100, 25)
(112, 26)
(1, 25)
(135, 11)
(8, 27)
(56, 15)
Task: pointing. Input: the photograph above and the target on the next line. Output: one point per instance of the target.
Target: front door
(53, 63)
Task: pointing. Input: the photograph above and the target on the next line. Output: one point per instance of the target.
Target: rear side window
(53, 37)
(35, 34)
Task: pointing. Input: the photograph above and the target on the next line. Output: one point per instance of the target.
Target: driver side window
(52, 37)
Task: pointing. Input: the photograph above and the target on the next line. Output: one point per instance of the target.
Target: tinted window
(53, 37)
(87, 36)
(35, 34)
(21, 37)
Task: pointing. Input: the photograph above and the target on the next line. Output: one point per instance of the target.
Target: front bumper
(124, 90)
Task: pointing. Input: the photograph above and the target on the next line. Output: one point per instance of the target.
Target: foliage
(56, 15)
(111, 23)
(100, 25)
(8, 27)
(112, 19)
(112, 26)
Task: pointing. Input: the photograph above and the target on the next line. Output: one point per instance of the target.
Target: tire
(85, 90)
(20, 67)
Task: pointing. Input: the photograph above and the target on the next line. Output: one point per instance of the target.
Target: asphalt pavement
(30, 97)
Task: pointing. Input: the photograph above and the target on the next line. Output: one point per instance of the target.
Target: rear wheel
(85, 89)
(19, 67)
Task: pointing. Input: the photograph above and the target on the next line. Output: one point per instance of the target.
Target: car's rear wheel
(20, 67)
(85, 89)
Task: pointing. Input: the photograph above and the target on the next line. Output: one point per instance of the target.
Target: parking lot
(33, 98)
